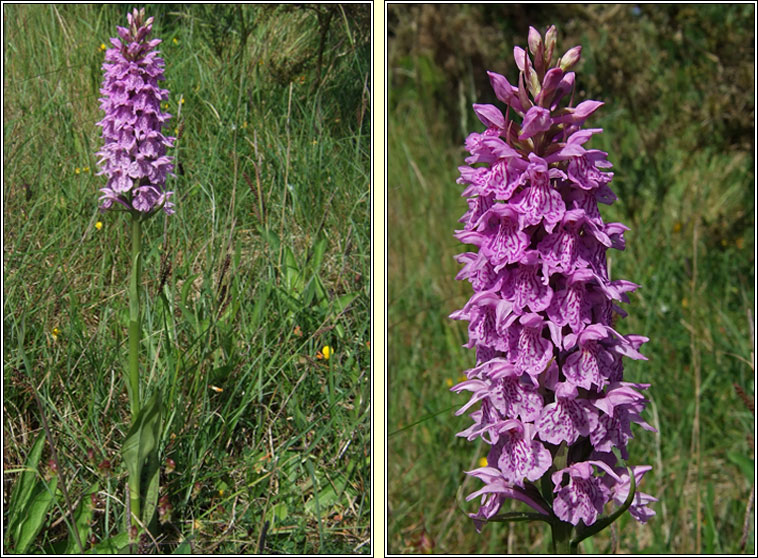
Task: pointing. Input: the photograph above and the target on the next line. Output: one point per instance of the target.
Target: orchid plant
(554, 407)
(134, 160)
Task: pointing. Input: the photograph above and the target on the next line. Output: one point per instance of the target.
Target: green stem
(134, 500)
(561, 532)
(134, 342)
(134, 317)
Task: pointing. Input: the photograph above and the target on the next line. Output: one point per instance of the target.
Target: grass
(690, 206)
(266, 262)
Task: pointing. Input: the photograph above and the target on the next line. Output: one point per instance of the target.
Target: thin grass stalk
(696, 377)
(61, 474)
(286, 176)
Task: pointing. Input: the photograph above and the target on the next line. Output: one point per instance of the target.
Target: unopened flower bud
(571, 57)
(535, 40)
(550, 40)
(104, 466)
(170, 465)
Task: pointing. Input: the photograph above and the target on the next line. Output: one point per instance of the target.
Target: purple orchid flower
(133, 156)
(547, 391)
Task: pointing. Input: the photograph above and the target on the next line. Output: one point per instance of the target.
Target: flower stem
(561, 532)
(134, 318)
(134, 341)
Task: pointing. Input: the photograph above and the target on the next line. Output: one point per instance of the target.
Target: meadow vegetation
(266, 439)
(678, 120)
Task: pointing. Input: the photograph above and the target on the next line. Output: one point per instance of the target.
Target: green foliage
(676, 129)
(30, 501)
(137, 450)
(117, 544)
(229, 344)
(83, 517)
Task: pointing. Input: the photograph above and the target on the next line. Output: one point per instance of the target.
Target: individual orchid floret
(620, 492)
(494, 493)
(133, 156)
(567, 418)
(547, 392)
(582, 497)
(536, 120)
(517, 454)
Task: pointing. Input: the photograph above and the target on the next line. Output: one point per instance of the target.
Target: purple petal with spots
(582, 498)
(517, 455)
(567, 418)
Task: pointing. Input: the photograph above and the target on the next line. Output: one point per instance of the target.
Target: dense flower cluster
(134, 155)
(549, 372)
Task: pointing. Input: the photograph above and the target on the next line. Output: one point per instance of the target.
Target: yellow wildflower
(99, 225)
(55, 333)
(482, 461)
(77, 170)
(324, 353)
(175, 41)
(102, 46)
(449, 382)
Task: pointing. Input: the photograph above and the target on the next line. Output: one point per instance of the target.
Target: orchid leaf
(151, 495)
(744, 463)
(35, 514)
(519, 516)
(142, 439)
(113, 545)
(23, 488)
(185, 547)
(316, 255)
